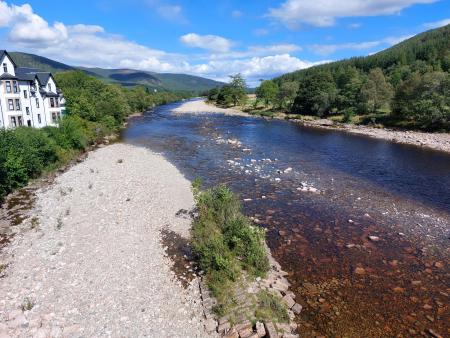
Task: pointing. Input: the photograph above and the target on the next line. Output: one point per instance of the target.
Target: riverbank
(88, 261)
(434, 141)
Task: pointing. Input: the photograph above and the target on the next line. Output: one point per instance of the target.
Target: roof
(7, 76)
(51, 94)
(4, 52)
(43, 77)
(25, 74)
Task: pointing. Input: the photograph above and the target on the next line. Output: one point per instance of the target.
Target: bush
(224, 240)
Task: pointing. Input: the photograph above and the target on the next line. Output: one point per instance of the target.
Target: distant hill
(430, 48)
(406, 85)
(125, 77)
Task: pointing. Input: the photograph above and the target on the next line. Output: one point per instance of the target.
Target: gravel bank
(199, 106)
(91, 264)
(435, 141)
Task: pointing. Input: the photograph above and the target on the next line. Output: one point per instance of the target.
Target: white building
(28, 97)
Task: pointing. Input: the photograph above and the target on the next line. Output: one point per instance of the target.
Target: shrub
(224, 240)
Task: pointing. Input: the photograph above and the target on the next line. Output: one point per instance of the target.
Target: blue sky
(259, 38)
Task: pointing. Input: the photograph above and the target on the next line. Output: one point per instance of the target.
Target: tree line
(94, 110)
(406, 85)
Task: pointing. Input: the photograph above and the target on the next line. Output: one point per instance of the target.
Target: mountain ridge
(123, 76)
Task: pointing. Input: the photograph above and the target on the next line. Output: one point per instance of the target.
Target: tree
(288, 91)
(316, 95)
(238, 89)
(424, 99)
(267, 91)
(376, 91)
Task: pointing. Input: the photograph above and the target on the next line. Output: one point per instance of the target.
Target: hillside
(125, 77)
(407, 85)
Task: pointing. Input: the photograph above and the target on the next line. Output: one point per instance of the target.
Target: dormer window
(5, 67)
(49, 87)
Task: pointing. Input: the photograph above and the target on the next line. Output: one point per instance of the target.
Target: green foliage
(271, 307)
(425, 99)
(287, 93)
(224, 240)
(94, 110)
(376, 91)
(231, 94)
(403, 79)
(267, 92)
(316, 95)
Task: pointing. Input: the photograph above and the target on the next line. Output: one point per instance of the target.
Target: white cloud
(323, 13)
(85, 29)
(260, 32)
(91, 46)
(167, 11)
(437, 24)
(208, 42)
(328, 49)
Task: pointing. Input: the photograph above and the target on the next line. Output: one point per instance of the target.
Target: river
(362, 225)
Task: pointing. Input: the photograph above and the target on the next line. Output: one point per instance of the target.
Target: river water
(361, 225)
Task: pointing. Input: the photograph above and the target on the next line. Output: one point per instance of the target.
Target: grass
(226, 243)
(271, 306)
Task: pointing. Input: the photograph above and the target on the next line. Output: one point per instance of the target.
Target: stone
(290, 335)
(297, 308)
(434, 334)
(271, 332)
(245, 332)
(210, 325)
(260, 330)
(224, 327)
(374, 238)
(231, 334)
(244, 325)
(360, 271)
(288, 301)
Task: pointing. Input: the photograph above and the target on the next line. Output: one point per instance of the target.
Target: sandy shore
(89, 261)
(200, 107)
(435, 141)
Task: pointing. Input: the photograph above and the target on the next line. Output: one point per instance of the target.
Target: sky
(260, 39)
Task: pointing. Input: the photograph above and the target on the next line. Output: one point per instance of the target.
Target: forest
(405, 86)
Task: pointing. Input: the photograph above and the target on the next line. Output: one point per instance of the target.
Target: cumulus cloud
(437, 24)
(208, 42)
(92, 46)
(328, 49)
(323, 13)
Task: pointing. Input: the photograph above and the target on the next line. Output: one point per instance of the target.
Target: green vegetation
(226, 243)
(162, 82)
(232, 94)
(406, 86)
(94, 110)
(271, 306)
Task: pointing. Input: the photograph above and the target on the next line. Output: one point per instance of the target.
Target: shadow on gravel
(179, 251)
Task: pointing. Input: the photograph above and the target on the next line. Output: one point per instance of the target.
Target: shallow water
(321, 194)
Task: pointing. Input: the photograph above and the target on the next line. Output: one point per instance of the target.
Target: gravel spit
(93, 265)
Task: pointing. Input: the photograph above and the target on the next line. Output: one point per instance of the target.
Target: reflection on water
(362, 225)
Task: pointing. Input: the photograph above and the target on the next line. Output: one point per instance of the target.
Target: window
(37, 102)
(8, 86)
(19, 118)
(25, 94)
(13, 121)
(57, 102)
(54, 118)
(11, 104)
(5, 68)
(29, 123)
(39, 118)
(49, 87)
(52, 102)
(27, 109)
(16, 87)
(17, 104)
